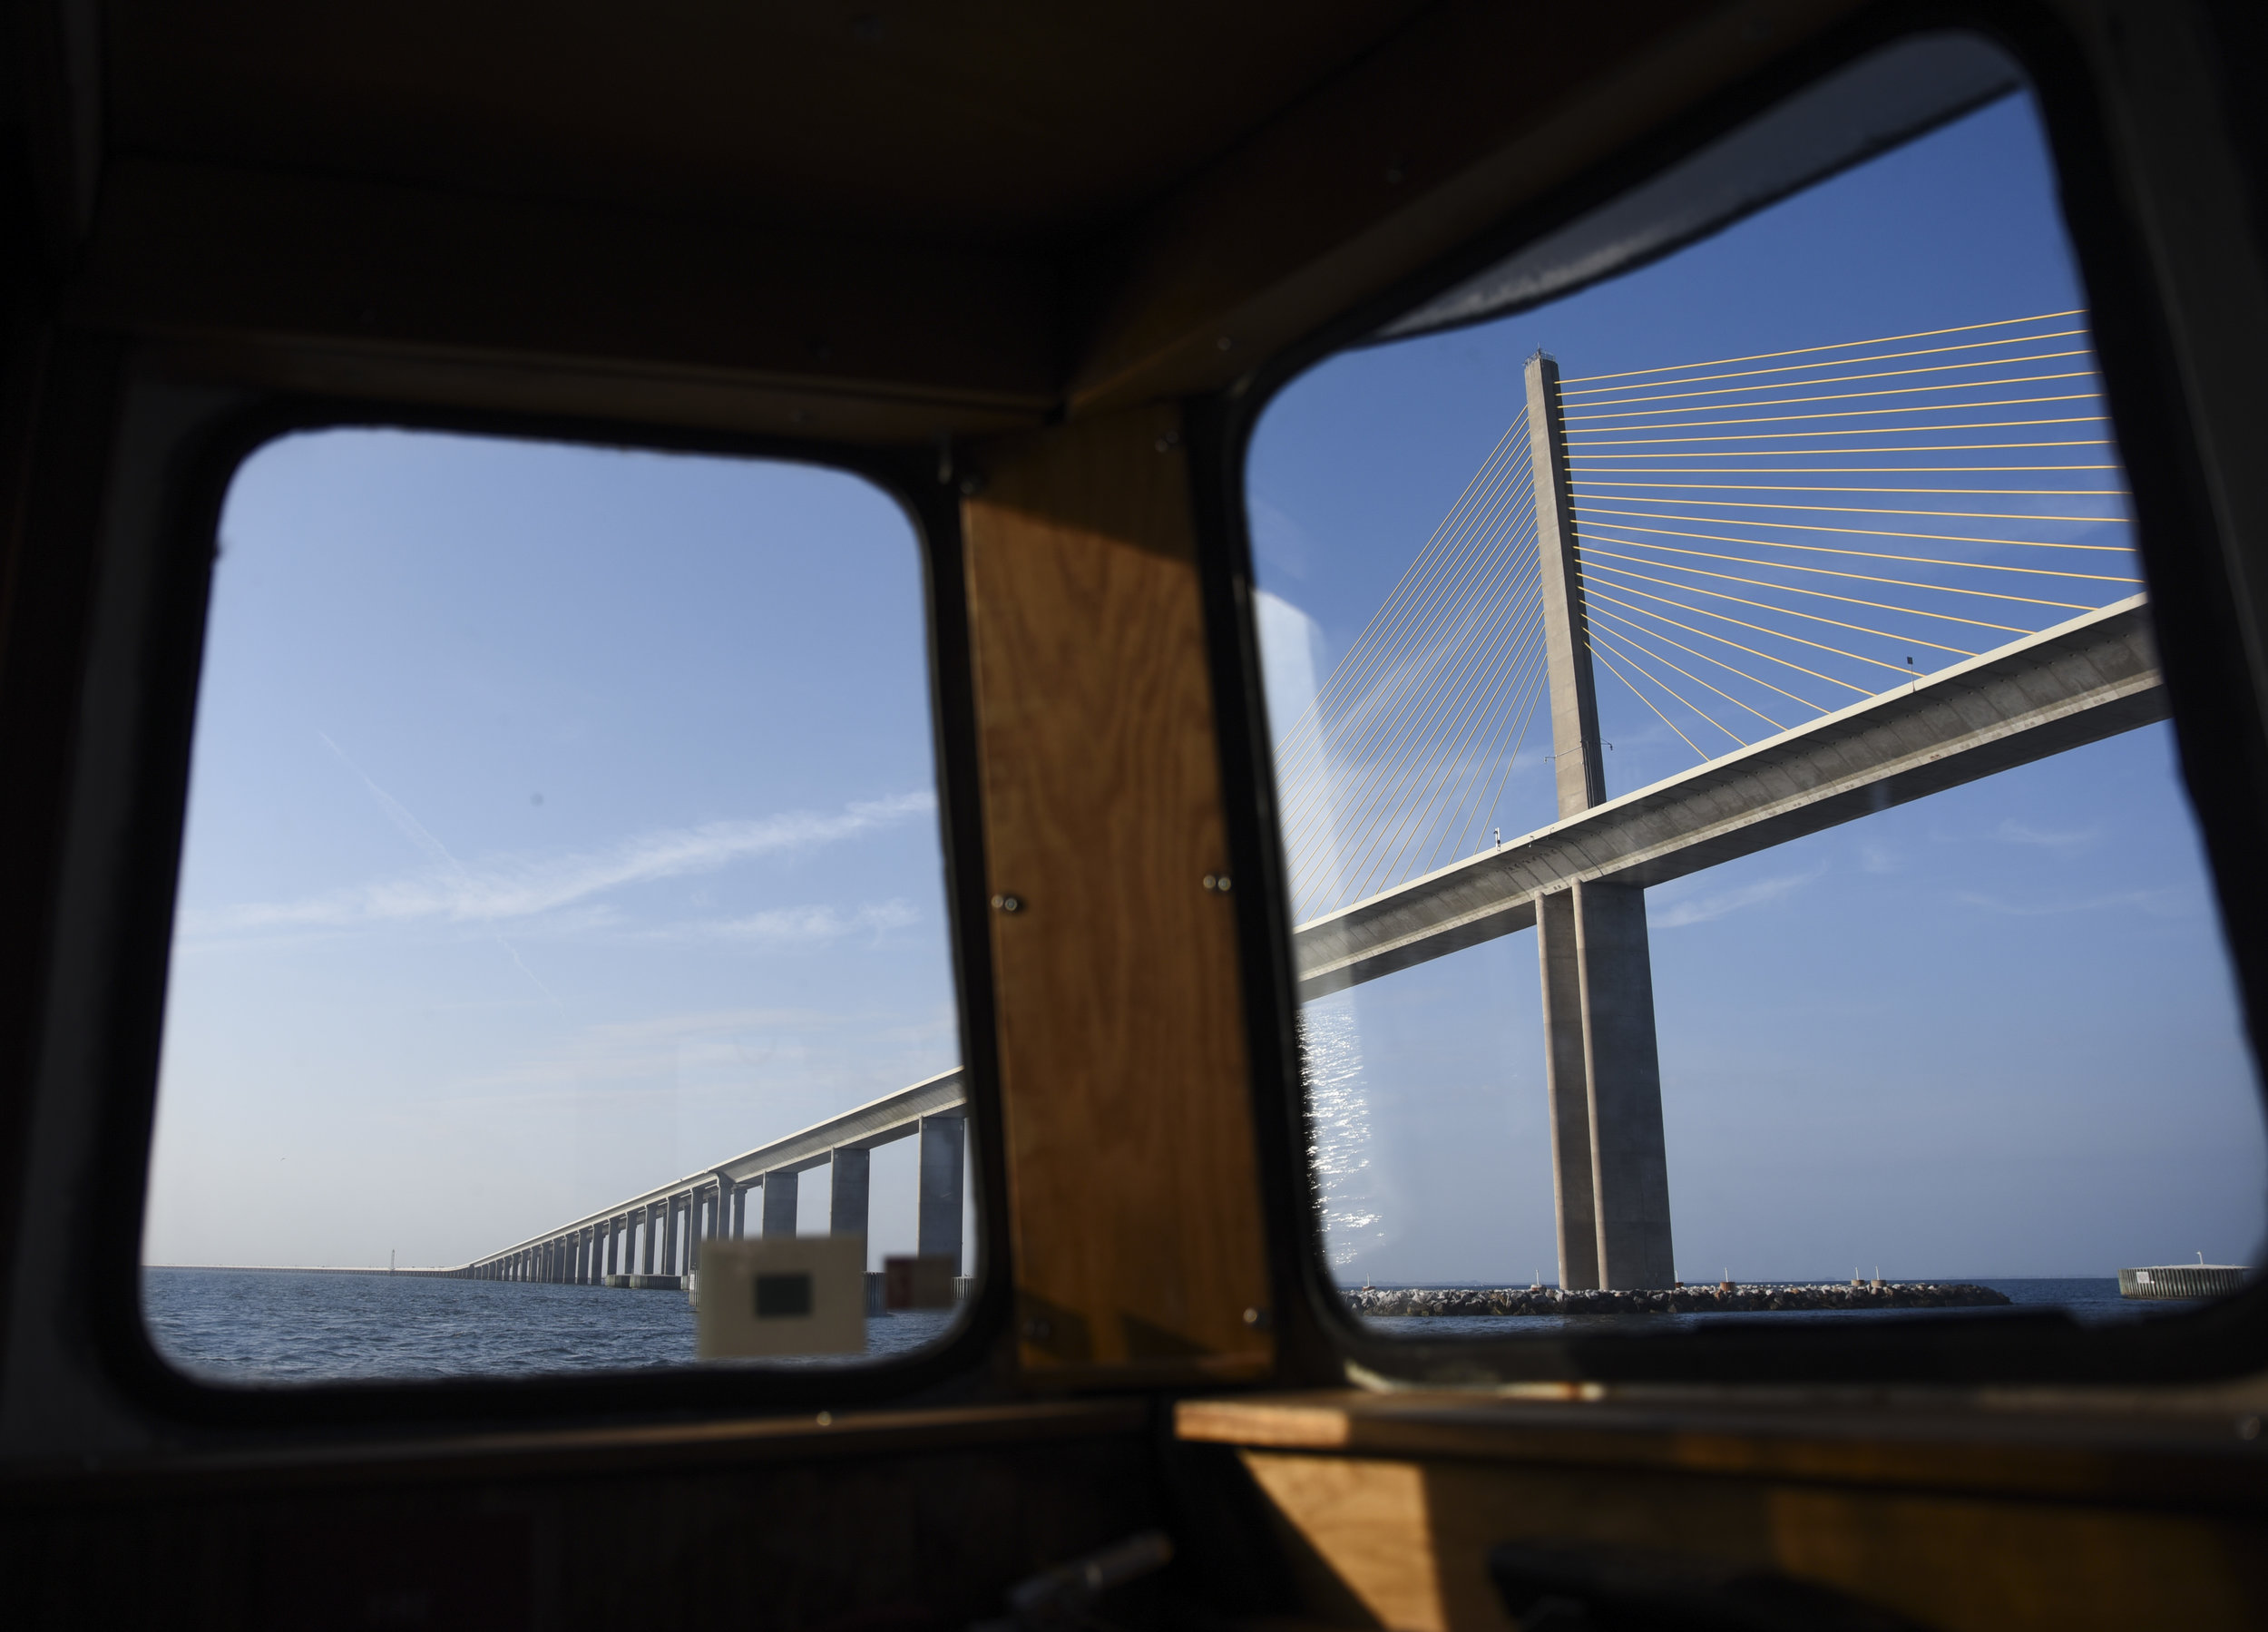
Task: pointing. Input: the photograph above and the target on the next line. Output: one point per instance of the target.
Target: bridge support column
(727, 1194)
(944, 1150)
(1566, 1085)
(847, 1191)
(779, 1204)
(1610, 1167)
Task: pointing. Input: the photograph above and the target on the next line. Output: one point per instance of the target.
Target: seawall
(1684, 1300)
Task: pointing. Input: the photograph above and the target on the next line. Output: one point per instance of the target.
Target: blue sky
(1990, 1033)
(561, 820)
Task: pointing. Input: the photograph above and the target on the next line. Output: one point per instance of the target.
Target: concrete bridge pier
(848, 1189)
(780, 1196)
(943, 1158)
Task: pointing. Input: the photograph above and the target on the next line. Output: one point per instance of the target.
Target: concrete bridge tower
(1611, 1172)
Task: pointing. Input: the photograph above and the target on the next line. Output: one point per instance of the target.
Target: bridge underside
(2079, 682)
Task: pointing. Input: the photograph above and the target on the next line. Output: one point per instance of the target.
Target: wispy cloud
(505, 888)
(2062, 844)
(878, 1050)
(2158, 904)
(793, 926)
(1701, 909)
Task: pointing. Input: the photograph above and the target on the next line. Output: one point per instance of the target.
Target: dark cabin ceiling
(998, 121)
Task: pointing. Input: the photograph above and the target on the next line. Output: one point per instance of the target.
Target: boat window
(1737, 855)
(560, 976)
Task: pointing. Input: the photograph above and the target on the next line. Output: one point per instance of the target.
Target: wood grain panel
(1404, 1544)
(2145, 1454)
(1127, 1109)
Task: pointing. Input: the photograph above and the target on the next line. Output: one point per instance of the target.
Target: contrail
(420, 836)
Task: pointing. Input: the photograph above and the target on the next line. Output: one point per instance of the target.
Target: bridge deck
(2093, 676)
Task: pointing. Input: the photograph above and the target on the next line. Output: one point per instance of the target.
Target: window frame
(2187, 557)
(174, 550)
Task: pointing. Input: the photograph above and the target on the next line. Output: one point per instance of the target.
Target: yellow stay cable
(1943, 538)
(1963, 515)
(1591, 478)
(1444, 774)
(1648, 701)
(1495, 793)
(1711, 425)
(1377, 791)
(1777, 634)
(1411, 714)
(1796, 589)
(1370, 828)
(1885, 357)
(1838, 379)
(1439, 548)
(1841, 396)
(1758, 357)
(1820, 453)
(1694, 589)
(1475, 539)
(1623, 640)
(1920, 430)
(1502, 586)
(1919, 561)
(1707, 658)
(1795, 566)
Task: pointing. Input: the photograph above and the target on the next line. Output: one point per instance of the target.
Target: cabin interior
(1030, 268)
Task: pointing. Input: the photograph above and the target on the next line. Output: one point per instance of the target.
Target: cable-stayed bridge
(1843, 576)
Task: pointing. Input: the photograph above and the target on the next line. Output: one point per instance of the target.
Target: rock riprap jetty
(1464, 1301)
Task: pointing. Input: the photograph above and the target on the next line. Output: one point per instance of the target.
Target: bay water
(287, 1325)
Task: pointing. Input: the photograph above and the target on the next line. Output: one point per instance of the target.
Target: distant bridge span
(2076, 683)
(662, 1227)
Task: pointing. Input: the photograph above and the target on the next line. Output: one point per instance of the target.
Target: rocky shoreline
(1682, 1300)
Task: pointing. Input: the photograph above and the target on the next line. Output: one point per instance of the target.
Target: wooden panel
(2167, 1448)
(1404, 1544)
(1127, 1109)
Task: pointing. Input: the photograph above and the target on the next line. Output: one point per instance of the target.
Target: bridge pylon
(1611, 1170)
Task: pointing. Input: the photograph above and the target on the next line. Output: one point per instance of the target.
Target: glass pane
(562, 853)
(1737, 848)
